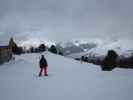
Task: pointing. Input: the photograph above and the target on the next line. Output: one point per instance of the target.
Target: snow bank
(67, 80)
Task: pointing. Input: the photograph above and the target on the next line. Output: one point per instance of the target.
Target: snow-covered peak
(123, 47)
(89, 41)
(78, 42)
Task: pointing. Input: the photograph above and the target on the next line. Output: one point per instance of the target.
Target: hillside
(122, 48)
(67, 80)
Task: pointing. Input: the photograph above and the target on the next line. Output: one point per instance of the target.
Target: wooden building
(6, 51)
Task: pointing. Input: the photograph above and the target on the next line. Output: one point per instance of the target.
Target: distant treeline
(41, 48)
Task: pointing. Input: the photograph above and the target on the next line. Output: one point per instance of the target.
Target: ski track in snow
(68, 80)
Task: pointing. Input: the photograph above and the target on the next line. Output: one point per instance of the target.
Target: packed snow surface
(68, 80)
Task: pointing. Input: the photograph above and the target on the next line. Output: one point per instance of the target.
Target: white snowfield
(68, 80)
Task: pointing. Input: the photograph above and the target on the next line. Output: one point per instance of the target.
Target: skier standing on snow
(43, 66)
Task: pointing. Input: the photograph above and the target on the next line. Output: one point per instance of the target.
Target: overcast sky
(66, 19)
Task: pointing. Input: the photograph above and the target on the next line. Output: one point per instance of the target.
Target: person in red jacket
(43, 66)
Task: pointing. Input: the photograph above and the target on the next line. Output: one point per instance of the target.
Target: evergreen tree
(42, 48)
(60, 53)
(19, 50)
(110, 60)
(32, 49)
(53, 49)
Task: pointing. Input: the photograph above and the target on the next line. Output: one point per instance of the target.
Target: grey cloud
(67, 19)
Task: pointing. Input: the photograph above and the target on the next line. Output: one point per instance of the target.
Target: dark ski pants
(45, 69)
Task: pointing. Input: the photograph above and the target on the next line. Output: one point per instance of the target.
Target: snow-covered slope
(122, 47)
(77, 45)
(67, 80)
